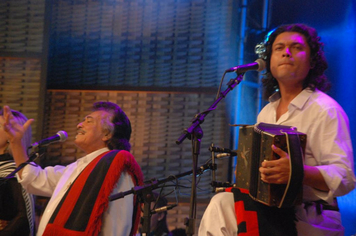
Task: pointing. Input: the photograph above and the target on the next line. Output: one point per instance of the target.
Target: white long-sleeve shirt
(54, 182)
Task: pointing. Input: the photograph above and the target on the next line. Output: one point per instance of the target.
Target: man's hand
(14, 130)
(276, 171)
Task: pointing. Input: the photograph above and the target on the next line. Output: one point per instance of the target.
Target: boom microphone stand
(38, 151)
(195, 133)
(145, 195)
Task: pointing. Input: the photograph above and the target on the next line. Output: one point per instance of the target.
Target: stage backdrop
(162, 62)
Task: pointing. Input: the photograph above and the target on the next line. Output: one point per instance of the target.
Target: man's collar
(298, 101)
(302, 98)
(89, 157)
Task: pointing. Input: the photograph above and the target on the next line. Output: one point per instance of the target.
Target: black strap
(295, 184)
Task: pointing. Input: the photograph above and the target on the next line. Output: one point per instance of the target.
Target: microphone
(162, 209)
(225, 151)
(222, 155)
(258, 65)
(61, 136)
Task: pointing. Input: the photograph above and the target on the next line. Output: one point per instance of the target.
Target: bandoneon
(254, 147)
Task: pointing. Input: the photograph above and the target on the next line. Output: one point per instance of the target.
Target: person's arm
(331, 147)
(313, 178)
(219, 218)
(15, 132)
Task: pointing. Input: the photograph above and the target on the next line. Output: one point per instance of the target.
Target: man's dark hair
(118, 125)
(315, 78)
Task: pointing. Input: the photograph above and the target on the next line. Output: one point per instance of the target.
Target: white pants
(310, 223)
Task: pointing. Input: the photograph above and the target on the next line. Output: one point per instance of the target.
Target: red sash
(80, 210)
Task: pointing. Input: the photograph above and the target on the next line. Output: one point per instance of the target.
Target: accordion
(254, 146)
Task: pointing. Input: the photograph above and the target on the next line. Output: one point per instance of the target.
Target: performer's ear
(107, 137)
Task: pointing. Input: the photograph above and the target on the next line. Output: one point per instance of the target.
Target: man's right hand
(14, 130)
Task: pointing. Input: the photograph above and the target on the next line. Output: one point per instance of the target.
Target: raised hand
(14, 130)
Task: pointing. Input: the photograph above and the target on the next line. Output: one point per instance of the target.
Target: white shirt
(328, 148)
(54, 182)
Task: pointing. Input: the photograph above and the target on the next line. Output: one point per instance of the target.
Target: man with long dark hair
(79, 192)
(294, 85)
(295, 67)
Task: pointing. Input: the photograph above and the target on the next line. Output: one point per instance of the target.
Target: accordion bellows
(254, 147)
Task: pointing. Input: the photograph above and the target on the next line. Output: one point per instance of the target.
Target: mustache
(80, 131)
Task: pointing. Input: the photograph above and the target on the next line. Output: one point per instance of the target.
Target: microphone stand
(213, 176)
(33, 156)
(146, 196)
(217, 186)
(195, 133)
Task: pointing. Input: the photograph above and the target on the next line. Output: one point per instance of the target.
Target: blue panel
(340, 46)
